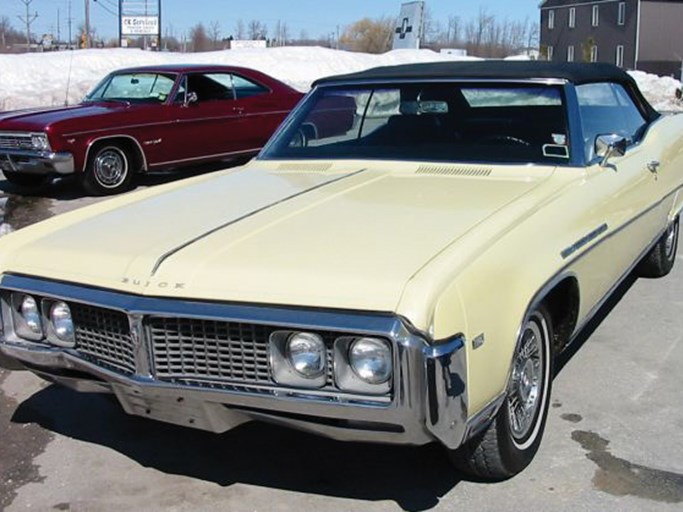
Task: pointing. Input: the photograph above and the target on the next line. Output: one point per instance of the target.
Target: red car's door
(262, 109)
(207, 121)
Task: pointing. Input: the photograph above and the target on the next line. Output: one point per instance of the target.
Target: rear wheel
(109, 170)
(661, 258)
(510, 442)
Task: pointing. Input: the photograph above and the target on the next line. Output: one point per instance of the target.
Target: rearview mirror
(607, 146)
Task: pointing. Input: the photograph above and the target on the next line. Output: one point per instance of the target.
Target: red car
(145, 119)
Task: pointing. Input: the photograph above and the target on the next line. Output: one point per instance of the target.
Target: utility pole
(28, 20)
(69, 20)
(86, 42)
(59, 29)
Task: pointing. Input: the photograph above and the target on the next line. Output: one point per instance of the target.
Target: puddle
(21, 211)
(572, 418)
(620, 477)
(20, 445)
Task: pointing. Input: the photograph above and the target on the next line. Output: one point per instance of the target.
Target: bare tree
(199, 41)
(240, 31)
(281, 35)
(214, 34)
(257, 30)
(370, 36)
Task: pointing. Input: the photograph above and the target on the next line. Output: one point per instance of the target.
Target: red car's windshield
(134, 87)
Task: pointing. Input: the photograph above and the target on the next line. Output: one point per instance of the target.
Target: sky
(315, 17)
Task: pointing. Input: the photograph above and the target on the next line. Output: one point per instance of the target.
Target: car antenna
(68, 79)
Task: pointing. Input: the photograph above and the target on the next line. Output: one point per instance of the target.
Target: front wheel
(510, 442)
(109, 171)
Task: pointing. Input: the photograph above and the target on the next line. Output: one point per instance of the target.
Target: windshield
(134, 87)
(477, 122)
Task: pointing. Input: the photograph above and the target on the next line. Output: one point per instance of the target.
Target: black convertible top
(576, 72)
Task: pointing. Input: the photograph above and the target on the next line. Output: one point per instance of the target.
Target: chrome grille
(103, 337)
(191, 349)
(196, 350)
(15, 141)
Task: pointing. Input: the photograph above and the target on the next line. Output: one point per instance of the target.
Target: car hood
(340, 237)
(40, 118)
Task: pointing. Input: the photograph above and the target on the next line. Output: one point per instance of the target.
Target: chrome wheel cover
(526, 394)
(670, 241)
(110, 167)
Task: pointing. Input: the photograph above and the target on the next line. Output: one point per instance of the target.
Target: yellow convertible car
(402, 263)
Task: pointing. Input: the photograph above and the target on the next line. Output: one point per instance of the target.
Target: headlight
(306, 353)
(363, 365)
(28, 323)
(61, 329)
(39, 142)
(370, 359)
(298, 359)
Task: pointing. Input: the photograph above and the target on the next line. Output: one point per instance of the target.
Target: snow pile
(659, 90)
(47, 79)
(5, 229)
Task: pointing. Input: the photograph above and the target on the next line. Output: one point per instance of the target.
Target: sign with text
(139, 25)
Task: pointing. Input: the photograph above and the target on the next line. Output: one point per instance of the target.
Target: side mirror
(607, 146)
(190, 98)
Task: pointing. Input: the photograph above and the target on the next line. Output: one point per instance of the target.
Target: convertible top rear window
(442, 121)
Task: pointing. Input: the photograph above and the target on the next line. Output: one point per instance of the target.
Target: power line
(107, 9)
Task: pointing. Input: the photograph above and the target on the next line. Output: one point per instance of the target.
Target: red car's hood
(39, 119)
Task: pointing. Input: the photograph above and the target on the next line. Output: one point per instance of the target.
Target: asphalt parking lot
(613, 442)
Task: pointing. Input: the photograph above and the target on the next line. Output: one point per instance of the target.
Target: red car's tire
(109, 170)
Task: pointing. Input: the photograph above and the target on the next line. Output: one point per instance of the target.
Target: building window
(572, 17)
(620, 56)
(594, 53)
(570, 54)
(551, 20)
(621, 19)
(596, 15)
(551, 50)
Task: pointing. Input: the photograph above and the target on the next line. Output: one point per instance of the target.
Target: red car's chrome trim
(115, 136)
(205, 157)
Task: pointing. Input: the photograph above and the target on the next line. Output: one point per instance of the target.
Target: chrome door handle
(653, 166)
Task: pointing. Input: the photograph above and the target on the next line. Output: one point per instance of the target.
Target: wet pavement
(613, 442)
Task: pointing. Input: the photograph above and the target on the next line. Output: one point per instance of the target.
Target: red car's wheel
(109, 171)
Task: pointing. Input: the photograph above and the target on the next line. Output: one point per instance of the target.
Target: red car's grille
(15, 141)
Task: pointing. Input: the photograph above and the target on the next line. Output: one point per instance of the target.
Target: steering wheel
(504, 139)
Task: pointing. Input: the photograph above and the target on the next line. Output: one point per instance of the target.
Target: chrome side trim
(207, 157)
(114, 136)
(173, 251)
(583, 241)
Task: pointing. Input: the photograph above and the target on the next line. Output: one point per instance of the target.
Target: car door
(623, 194)
(208, 123)
(263, 110)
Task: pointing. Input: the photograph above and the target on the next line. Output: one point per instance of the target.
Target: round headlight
(370, 359)
(30, 313)
(39, 142)
(62, 323)
(307, 354)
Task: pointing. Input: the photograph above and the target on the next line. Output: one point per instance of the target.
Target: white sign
(140, 25)
(247, 43)
(408, 32)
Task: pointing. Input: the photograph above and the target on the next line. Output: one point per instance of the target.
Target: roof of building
(554, 4)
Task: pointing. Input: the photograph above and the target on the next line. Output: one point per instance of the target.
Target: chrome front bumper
(36, 163)
(428, 400)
